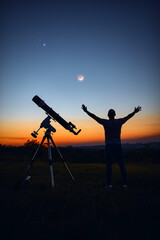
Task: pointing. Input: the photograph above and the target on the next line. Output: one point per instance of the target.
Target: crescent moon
(80, 77)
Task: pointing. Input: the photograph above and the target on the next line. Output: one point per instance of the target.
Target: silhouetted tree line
(76, 154)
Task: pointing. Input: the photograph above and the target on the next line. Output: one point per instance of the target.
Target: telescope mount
(49, 128)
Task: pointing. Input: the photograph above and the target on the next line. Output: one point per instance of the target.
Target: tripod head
(46, 124)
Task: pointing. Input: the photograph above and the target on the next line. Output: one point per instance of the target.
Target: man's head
(111, 114)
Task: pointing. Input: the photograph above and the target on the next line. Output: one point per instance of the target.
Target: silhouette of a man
(112, 128)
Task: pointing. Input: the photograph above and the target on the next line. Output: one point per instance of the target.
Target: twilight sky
(46, 44)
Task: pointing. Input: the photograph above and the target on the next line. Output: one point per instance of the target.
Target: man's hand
(91, 114)
(84, 108)
(137, 109)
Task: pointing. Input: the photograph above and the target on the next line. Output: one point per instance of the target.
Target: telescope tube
(55, 116)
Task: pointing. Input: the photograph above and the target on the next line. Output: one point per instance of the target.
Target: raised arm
(136, 110)
(91, 114)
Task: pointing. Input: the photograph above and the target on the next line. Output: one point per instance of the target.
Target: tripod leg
(50, 162)
(32, 161)
(62, 159)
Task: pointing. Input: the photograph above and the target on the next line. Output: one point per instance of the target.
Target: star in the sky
(43, 44)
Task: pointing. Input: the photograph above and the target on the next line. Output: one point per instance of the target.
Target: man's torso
(112, 129)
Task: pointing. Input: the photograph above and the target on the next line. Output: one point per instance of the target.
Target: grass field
(80, 210)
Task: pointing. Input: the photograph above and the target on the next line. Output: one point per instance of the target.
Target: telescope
(51, 114)
(55, 116)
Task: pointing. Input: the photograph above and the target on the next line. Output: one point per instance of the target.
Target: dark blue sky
(46, 44)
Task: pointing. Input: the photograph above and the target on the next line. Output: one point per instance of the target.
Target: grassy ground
(81, 210)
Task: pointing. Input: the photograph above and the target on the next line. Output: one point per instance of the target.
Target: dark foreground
(83, 210)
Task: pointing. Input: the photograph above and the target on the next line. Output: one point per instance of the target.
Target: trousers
(110, 151)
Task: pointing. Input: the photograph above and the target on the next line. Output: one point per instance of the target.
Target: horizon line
(141, 140)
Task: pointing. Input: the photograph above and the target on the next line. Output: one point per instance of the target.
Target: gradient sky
(46, 44)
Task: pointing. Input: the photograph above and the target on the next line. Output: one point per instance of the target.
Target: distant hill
(132, 146)
(137, 152)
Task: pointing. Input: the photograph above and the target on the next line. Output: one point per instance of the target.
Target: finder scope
(55, 116)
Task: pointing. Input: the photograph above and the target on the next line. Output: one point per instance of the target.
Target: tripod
(49, 138)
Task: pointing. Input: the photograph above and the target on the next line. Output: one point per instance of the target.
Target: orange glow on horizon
(140, 127)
